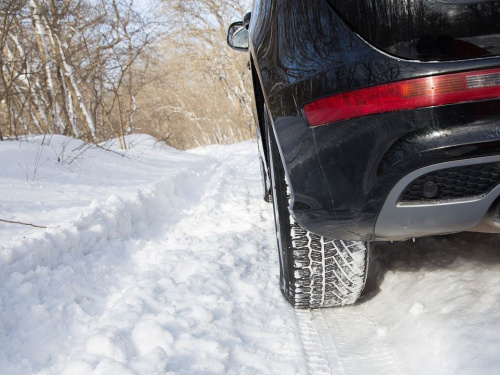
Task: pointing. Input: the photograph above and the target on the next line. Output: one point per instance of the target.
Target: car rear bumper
(347, 178)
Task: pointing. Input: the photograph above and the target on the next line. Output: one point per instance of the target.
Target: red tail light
(414, 93)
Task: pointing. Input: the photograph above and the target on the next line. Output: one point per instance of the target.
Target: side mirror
(237, 36)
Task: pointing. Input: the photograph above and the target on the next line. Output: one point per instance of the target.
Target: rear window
(426, 29)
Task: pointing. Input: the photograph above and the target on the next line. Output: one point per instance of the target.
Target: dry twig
(19, 222)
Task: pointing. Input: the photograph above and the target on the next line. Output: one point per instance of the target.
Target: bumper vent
(454, 183)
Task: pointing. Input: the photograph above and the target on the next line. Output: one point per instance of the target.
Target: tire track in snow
(233, 194)
(339, 341)
(319, 346)
(350, 340)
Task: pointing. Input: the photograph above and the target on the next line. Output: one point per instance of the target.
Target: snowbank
(151, 263)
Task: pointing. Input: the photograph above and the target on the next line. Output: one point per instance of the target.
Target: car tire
(315, 271)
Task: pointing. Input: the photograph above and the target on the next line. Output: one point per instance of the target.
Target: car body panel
(341, 174)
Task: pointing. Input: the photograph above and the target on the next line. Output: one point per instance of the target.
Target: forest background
(101, 69)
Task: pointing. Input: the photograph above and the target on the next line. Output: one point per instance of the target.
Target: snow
(157, 261)
(150, 263)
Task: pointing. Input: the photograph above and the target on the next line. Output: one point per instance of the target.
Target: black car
(378, 120)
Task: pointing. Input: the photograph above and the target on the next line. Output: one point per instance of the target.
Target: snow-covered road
(164, 261)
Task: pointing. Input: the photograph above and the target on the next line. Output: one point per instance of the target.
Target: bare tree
(214, 96)
(99, 69)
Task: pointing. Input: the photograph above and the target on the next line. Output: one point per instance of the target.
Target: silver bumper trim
(399, 221)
